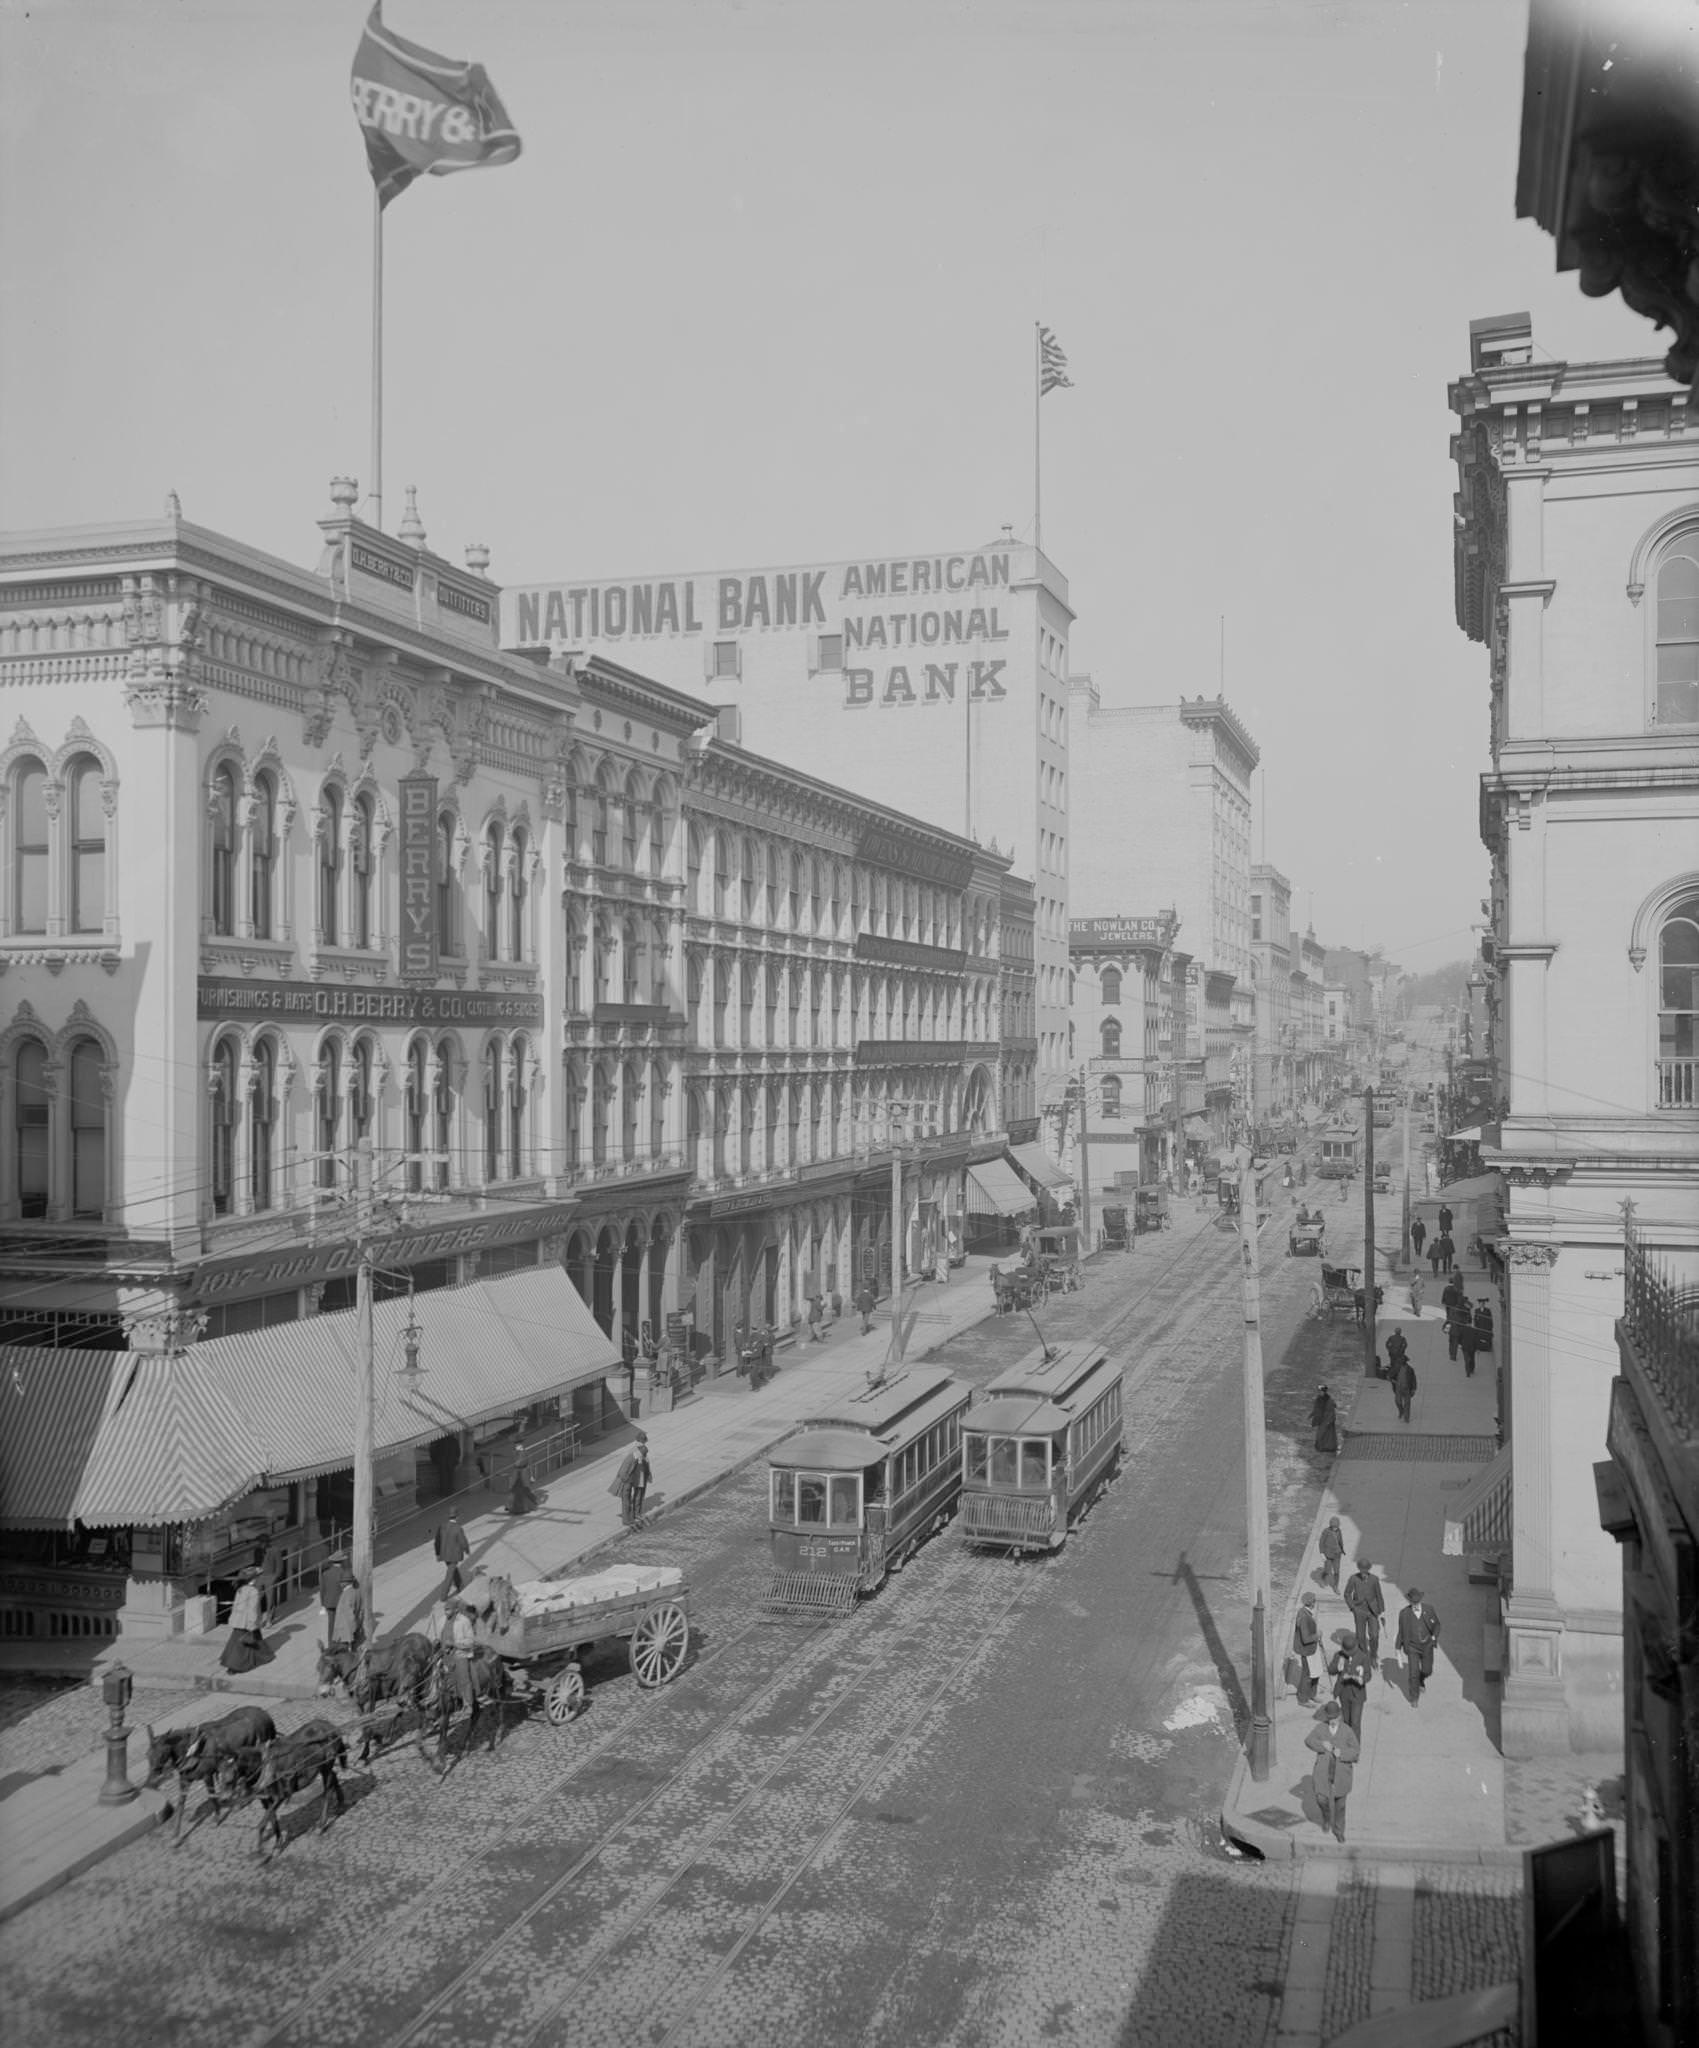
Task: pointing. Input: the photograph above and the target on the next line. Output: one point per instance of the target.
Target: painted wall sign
(885, 849)
(259, 1273)
(217, 999)
(463, 602)
(418, 837)
(1122, 931)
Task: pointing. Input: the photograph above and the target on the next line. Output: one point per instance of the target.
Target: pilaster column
(1535, 1719)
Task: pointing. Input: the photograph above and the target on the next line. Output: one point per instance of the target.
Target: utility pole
(896, 1235)
(1085, 1169)
(364, 1423)
(1404, 1227)
(1369, 1233)
(1256, 1482)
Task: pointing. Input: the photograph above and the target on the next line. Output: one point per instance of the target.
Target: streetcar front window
(810, 1499)
(975, 1457)
(784, 1496)
(1033, 1472)
(1005, 1461)
(845, 1509)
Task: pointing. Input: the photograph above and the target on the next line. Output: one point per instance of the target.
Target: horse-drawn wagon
(1018, 1286)
(1307, 1235)
(1341, 1288)
(549, 1622)
(1059, 1255)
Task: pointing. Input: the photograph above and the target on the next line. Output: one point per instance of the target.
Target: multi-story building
(1019, 1010)
(934, 684)
(1274, 1089)
(325, 923)
(1124, 1047)
(1309, 1016)
(1162, 793)
(1577, 566)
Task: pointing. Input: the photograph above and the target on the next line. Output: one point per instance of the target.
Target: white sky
(761, 290)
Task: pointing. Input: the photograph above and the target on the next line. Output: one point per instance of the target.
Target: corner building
(298, 870)
(932, 684)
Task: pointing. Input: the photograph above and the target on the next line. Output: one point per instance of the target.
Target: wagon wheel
(658, 1645)
(563, 1699)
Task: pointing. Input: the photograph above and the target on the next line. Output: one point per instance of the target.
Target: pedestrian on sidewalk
(1433, 1256)
(270, 1572)
(1418, 1632)
(1368, 1605)
(1337, 1749)
(1444, 1219)
(1397, 1349)
(1324, 1420)
(1416, 1295)
(1418, 1230)
(244, 1647)
(631, 1480)
(1350, 1671)
(837, 1304)
(815, 1311)
(348, 1629)
(864, 1306)
(522, 1497)
(1466, 1341)
(1447, 1253)
(1332, 1552)
(452, 1550)
(1483, 1325)
(333, 1576)
(1404, 1386)
(1306, 1650)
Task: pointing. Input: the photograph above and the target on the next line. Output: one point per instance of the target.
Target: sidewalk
(52, 1826)
(1430, 1785)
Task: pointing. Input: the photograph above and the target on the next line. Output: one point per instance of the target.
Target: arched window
(517, 885)
(492, 1110)
(516, 1111)
(223, 1126)
(1678, 635)
(88, 1130)
(657, 1111)
(442, 1107)
(418, 1109)
(722, 881)
(29, 906)
(814, 895)
(795, 905)
(693, 865)
(224, 850)
(599, 824)
(604, 962)
(630, 826)
(630, 1092)
(1678, 1007)
(262, 850)
(448, 901)
(327, 1087)
(750, 878)
(1111, 1038)
(600, 1093)
(658, 836)
(30, 1101)
(261, 1112)
(1111, 1095)
(631, 962)
(362, 853)
(88, 847)
(330, 864)
(362, 1100)
(1109, 985)
(494, 840)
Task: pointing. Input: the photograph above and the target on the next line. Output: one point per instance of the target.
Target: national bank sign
(908, 629)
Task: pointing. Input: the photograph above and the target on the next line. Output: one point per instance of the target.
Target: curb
(149, 1810)
(1282, 1845)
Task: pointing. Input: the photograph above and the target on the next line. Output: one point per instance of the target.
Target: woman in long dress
(1324, 1421)
(245, 1647)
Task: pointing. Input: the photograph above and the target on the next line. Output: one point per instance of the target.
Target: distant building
(1275, 1086)
(1122, 1008)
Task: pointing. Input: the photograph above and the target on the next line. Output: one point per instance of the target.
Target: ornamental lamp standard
(410, 1370)
(116, 1687)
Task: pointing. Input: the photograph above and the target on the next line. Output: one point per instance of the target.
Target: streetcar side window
(975, 1457)
(1005, 1452)
(846, 1505)
(810, 1498)
(784, 1496)
(1034, 1461)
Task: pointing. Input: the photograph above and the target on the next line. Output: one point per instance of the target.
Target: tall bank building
(935, 684)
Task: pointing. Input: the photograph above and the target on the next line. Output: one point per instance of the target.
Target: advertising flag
(420, 112)
(1052, 364)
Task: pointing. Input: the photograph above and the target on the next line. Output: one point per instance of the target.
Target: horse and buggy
(1340, 1288)
(1020, 1286)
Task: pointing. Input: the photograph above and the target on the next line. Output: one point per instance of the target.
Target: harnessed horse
(200, 1755)
(289, 1765)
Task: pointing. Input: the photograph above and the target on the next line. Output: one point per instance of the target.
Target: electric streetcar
(852, 1494)
(1039, 1446)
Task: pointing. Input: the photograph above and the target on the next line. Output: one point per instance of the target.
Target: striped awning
(1035, 1160)
(51, 1405)
(1479, 1520)
(995, 1189)
(201, 1427)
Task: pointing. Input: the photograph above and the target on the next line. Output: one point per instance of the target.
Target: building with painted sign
(933, 684)
(320, 917)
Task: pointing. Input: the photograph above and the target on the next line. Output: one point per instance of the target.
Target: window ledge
(30, 949)
(219, 953)
(349, 961)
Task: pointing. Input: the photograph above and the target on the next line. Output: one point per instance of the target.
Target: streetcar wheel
(564, 1699)
(658, 1645)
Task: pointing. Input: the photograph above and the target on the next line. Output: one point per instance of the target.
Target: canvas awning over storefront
(995, 1189)
(203, 1426)
(51, 1405)
(1035, 1160)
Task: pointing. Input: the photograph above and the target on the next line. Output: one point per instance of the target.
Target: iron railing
(1678, 1083)
(1661, 1320)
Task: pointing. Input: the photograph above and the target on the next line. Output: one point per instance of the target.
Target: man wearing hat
(1350, 1670)
(1367, 1604)
(1332, 1553)
(1337, 1749)
(1306, 1650)
(332, 1578)
(1418, 1633)
(453, 1549)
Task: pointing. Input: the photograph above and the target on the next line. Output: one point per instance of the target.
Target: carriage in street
(544, 1623)
(1340, 1290)
(1059, 1256)
(1307, 1235)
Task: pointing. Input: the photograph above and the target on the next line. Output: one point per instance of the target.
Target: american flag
(1052, 363)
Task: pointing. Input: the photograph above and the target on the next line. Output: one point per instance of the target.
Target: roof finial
(173, 505)
(412, 527)
(477, 557)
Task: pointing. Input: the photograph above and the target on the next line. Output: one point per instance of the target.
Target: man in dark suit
(1367, 1604)
(1444, 1220)
(1418, 1633)
(1337, 1749)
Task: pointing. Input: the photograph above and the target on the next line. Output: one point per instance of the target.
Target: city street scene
(849, 1009)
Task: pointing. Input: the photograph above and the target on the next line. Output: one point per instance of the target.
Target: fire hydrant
(115, 1690)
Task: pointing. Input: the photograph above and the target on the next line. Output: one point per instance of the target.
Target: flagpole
(1037, 436)
(375, 495)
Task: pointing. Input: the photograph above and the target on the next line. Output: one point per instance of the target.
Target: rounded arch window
(224, 850)
(29, 848)
(88, 846)
(448, 921)
(1111, 1038)
(1109, 985)
(88, 1129)
(328, 1088)
(330, 864)
(1676, 624)
(262, 849)
(418, 1112)
(261, 1117)
(517, 886)
(223, 1126)
(495, 839)
(1678, 1006)
(361, 853)
(30, 1123)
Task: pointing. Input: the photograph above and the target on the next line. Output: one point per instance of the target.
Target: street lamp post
(365, 1455)
(1256, 1481)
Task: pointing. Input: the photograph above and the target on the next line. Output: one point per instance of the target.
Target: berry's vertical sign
(418, 877)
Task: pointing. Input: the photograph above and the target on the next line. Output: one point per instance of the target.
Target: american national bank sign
(915, 629)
